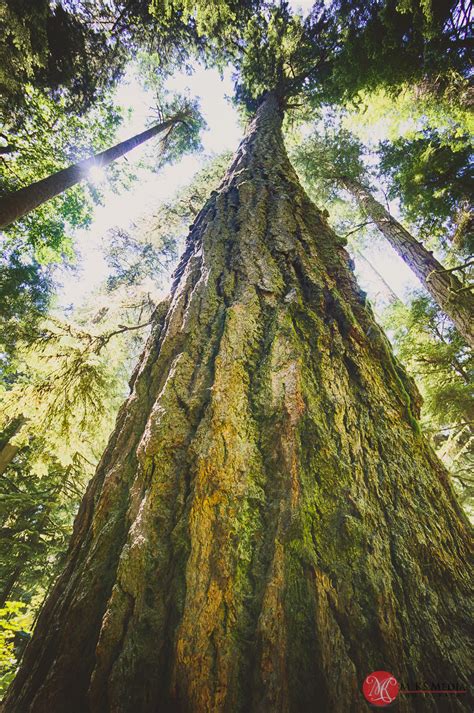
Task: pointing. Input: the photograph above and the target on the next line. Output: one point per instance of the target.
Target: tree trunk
(7, 454)
(267, 526)
(444, 287)
(15, 205)
(7, 450)
(393, 297)
(11, 582)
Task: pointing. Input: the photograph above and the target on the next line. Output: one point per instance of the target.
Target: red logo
(380, 688)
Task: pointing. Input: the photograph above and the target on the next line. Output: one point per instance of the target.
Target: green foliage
(212, 30)
(328, 155)
(23, 44)
(58, 409)
(35, 517)
(25, 291)
(184, 137)
(411, 110)
(16, 622)
(48, 140)
(442, 364)
(386, 44)
(433, 173)
(131, 261)
(55, 46)
(282, 52)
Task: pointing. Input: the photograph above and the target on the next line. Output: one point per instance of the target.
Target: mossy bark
(444, 287)
(267, 525)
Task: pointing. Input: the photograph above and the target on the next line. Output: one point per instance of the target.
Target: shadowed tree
(267, 524)
(336, 159)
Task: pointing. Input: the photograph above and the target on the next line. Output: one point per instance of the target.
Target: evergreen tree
(16, 205)
(433, 174)
(337, 159)
(267, 523)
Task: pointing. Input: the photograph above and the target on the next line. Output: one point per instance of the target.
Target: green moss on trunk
(267, 525)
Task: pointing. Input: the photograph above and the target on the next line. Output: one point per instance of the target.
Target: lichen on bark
(267, 525)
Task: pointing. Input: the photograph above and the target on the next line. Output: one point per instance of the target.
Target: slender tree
(15, 205)
(433, 173)
(336, 159)
(267, 524)
(450, 294)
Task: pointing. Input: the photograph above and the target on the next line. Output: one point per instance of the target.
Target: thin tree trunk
(267, 526)
(7, 454)
(15, 205)
(444, 287)
(12, 581)
(394, 298)
(7, 450)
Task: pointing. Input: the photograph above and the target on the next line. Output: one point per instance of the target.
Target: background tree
(16, 205)
(337, 158)
(433, 174)
(48, 138)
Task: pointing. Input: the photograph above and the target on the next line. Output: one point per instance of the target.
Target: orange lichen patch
(271, 634)
(338, 669)
(207, 657)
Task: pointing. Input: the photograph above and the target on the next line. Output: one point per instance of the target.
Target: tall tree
(433, 174)
(48, 139)
(454, 298)
(15, 205)
(267, 524)
(337, 159)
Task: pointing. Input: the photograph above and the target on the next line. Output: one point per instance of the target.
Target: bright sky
(223, 133)
(122, 208)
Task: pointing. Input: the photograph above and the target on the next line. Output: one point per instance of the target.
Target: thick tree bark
(267, 525)
(15, 205)
(444, 287)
